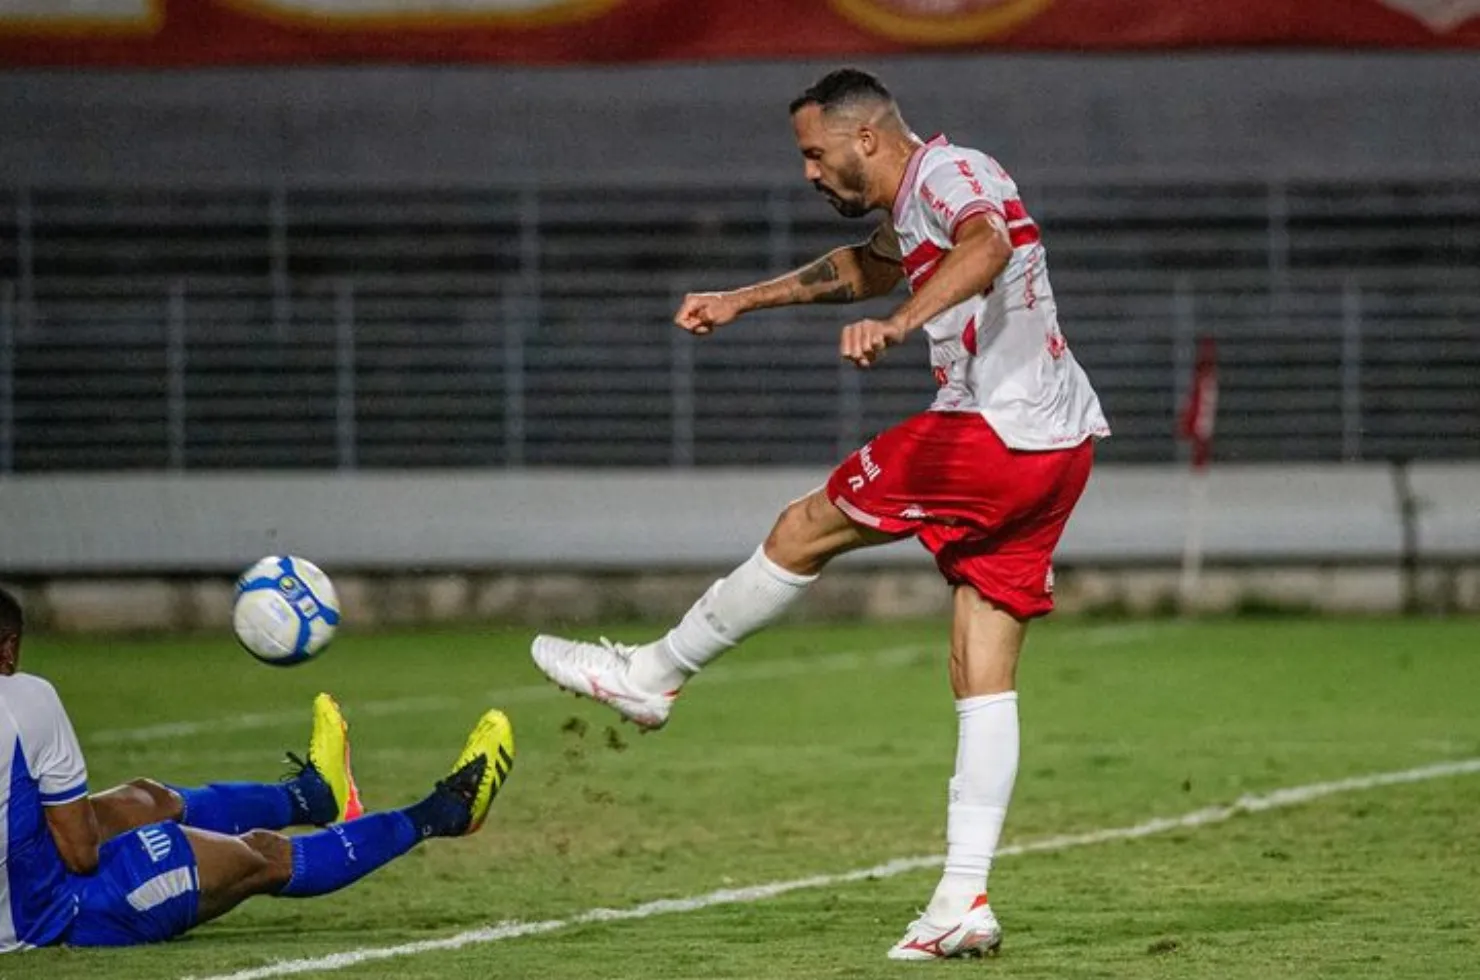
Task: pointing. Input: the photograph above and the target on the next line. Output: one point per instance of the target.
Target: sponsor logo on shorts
(1048, 581)
(156, 842)
(871, 469)
(914, 512)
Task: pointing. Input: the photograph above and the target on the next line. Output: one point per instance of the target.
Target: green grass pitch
(821, 749)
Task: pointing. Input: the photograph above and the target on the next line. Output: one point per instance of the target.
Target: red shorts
(991, 515)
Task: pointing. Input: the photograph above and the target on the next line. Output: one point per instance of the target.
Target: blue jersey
(41, 765)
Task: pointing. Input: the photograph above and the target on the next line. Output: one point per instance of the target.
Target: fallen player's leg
(157, 881)
(320, 791)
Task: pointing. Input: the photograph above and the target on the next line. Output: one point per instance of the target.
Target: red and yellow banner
(164, 33)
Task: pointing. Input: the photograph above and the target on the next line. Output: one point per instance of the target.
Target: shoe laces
(297, 766)
(623, 650)
(464, 783)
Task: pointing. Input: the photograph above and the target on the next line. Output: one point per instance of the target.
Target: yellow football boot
(482, 768)
(328, 753)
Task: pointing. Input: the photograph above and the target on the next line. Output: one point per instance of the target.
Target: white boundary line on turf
(1277, 799)
(796, 666)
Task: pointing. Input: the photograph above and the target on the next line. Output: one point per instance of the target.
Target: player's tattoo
(819, 273)
(823, 270)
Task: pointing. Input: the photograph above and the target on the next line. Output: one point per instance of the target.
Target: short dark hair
(12, 620)
(839, 87)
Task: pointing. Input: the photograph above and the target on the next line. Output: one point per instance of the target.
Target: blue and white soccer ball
(286, 610)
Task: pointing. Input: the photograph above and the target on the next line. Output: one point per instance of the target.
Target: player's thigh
(233, 869)
(145, 890)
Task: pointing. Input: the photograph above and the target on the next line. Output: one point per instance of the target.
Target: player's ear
(868, 140)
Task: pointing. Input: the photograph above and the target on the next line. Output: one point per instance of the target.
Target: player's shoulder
(965, 162)
(31, 692)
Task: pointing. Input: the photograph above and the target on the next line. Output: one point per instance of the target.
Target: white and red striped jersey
(999, 353)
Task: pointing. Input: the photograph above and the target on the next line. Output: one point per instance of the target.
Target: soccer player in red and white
(985, 479)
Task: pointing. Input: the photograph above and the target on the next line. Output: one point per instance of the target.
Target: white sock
(749, 598)
(986, 767)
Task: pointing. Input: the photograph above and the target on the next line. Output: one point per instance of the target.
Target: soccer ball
(286, 610)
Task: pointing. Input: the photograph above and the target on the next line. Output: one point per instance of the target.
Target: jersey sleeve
(50, 746)
(958, 187)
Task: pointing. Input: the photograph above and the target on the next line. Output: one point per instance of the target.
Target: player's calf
(232, 869)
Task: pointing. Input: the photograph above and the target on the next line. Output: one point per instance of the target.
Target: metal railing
(523, 326)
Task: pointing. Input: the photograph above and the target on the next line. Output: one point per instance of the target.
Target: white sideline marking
(1277, 799)
(790, 667)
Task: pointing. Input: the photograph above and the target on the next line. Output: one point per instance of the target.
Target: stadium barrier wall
(1250, 115)
(157, 551)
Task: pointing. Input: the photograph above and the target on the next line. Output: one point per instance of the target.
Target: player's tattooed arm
(844, 275)
(853, 272)
(818, 283)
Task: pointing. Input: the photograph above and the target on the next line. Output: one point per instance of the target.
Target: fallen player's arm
(74, 829)
(981, 251)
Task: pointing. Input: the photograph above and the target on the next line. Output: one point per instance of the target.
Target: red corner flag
(1201, 409)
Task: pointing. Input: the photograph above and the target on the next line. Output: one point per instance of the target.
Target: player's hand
(701, 313)
(864, 341)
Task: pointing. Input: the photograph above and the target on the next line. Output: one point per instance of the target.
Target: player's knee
(807, 534)
(164, 804)
(788, 522)
(787, 543)
(271, 858)
(798, 524)
(269, 844)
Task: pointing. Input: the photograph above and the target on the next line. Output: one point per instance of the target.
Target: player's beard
(849, 200)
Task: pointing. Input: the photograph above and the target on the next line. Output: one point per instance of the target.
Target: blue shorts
(146, 890)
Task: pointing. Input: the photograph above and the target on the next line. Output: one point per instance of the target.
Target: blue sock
(235, 808)
(341, 855)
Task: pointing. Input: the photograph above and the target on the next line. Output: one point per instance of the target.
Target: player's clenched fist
(864, 341)
(700, 313)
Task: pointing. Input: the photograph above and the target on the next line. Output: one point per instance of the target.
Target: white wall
(653, 519)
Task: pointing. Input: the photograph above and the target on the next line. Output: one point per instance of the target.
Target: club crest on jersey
(940, 21)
